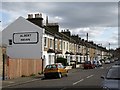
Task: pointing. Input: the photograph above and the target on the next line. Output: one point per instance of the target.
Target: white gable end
(26, 39)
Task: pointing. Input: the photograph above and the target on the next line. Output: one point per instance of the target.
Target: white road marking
(78, 81)
(11, 82)
(63, 88)
(89, 76)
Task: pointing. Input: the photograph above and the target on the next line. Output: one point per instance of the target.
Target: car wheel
(45, 76)
(59, 75)
(66, 74)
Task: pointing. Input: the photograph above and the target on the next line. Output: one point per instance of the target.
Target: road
(77, 78)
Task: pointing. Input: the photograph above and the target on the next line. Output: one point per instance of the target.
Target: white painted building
(23, 39)
(65, 50)
(48, 44)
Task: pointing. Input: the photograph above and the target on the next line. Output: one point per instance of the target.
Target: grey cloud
(77, 14)
(74, 14)
(87, 14)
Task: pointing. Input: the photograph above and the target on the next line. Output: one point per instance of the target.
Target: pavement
(20, 80)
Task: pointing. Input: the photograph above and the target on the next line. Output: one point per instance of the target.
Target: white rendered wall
(21, 25)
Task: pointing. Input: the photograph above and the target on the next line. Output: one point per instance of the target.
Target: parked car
(112, 60)
(117, 62)
(107, 61)
(88, 65)
(116, 59)
(111, 79)
(55, 70)
(102, 60)
(97, 63)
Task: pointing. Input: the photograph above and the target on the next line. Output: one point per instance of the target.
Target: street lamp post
(101, 52)
(109, 50)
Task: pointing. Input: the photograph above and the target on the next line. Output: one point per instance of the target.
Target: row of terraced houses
(31, 45)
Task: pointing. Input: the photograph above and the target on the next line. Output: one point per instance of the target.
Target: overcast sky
(98, 19)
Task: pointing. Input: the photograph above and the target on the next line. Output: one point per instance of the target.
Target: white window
(70, 47)
(70, 57)
(60, 45)
(51, 43)
(76, 58)
(50, 59)
(80, 59)
(67, 46)
(77, 48)
(64, 45)
(55, 44)
(45, 41)
(53, 58)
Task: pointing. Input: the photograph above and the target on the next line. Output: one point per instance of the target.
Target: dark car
(117, 62)
(88, 65)
(111, 79)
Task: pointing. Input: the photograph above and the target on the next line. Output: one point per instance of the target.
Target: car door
(62, 69)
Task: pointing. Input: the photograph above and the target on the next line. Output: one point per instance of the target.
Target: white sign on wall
(26, 38)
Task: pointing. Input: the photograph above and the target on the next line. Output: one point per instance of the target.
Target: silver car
(107, 61)
(112, 79)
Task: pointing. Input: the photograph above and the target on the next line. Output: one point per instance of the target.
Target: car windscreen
(113, 73)
(51, 66)
(87, 62)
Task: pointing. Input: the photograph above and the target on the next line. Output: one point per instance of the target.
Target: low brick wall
(23, 67)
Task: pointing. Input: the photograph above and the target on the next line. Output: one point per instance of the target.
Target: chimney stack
(67, 32)
(38, 20)
(46, 20)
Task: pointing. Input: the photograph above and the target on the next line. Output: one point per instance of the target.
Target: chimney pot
(82, 39)
(30, 15)
(39, 15)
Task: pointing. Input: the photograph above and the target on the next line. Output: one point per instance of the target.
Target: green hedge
(62, 60)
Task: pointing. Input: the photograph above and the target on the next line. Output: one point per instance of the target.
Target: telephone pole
(87, 47)
(109, 50)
